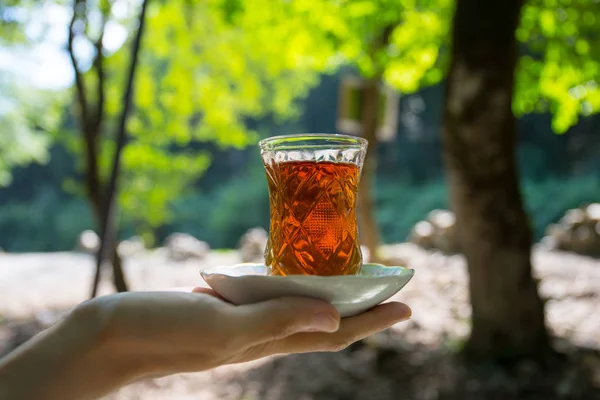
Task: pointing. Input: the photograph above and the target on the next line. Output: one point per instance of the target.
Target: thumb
(279, 318)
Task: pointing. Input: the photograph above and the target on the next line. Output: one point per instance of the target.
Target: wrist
(100, 344)
(73, 359)
(83, 356)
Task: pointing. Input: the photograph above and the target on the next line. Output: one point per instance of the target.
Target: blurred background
(484, 154)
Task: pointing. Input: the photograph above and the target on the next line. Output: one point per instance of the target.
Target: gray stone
(88, 242)
(131, 246)
(437, 232)
(252, 245)
(182, 247)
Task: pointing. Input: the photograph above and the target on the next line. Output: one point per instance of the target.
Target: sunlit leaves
(205, 68)
(28, 117)
(213, 75)
(141, 197)
(416, 46)
(399, 40)
(561, 69)
(208, 66)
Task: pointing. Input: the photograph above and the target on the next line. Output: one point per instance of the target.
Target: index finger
(351, 330)
(210, 292)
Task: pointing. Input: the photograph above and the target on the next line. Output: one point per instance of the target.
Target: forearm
(72, 360)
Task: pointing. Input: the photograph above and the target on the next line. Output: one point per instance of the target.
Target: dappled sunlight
(129, 161)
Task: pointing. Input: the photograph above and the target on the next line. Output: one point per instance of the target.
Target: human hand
(113, 340)
(168, 333)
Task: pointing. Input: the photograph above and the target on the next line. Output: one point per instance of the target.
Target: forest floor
(415, 360)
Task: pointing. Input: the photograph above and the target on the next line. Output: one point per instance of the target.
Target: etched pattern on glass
(313, 223)
(313, 183)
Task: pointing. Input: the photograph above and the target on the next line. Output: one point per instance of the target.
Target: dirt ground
(414, 360)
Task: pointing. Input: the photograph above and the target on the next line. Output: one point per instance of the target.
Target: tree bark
(91, 130)
(479, 138)
(109, 227)
(94, 190)
(369, 230)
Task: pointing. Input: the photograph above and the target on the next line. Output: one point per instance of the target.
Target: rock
(442, 218)
(252, 245)
(437, 232)
(131, 246)
(577, 231)
(555, 231)
(593, 212)
(548, 243)
(573, 217)
(395, 261)
(444, 239)
(88, 242)
(182, 247)
(422, 234)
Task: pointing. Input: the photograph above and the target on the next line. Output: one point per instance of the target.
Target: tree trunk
(91, 120)
(479, 147)
(369, 231)
(117, 272)
(94, 197)
(119, 280)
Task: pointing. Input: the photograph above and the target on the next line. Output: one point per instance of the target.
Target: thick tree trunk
(369, 232)
(479, 145)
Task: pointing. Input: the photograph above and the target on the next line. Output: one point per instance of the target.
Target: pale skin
(118, 339)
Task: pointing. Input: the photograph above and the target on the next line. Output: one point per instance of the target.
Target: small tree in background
(205, 68)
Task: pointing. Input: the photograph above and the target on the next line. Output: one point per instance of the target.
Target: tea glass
(313, 185)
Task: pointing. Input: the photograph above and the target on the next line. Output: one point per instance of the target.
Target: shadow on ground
(389, 368)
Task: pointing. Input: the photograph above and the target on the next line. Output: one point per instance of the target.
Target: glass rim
(293, 141)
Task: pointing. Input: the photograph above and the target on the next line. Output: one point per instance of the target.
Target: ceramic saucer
(349, 294)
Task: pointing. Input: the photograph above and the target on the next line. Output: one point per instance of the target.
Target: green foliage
(13, 15)
(27, 115)
(397, 39)
(560, 70)
(207, 67)
(400, 206)
(47, 222)
(547, 201)
(223, 216)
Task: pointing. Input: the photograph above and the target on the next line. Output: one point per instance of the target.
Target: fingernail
(324, 323)
(404, 312)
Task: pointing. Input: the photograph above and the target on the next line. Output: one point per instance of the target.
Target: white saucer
(350, 294)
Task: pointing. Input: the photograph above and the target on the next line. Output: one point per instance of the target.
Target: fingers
(210, 292)
(204, 290)
(272, 320)
(351, 330)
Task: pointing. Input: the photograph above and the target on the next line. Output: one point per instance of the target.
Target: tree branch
(99, 65)
(109, 229)
(92, 176)
(79, 82)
